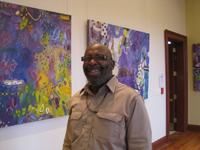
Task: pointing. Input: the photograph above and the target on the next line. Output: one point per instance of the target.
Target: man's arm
(138, 126)
(68, 137)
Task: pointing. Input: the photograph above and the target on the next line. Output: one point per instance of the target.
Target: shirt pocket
(76, 124)
(109, 126)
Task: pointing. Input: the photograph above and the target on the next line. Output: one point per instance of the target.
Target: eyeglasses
(96, 57)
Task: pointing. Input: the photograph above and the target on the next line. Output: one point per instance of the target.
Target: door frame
(182, 113)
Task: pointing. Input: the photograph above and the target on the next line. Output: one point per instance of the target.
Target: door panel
(173, 85)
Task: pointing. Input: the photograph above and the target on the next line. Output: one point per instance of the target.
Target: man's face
(98, 72)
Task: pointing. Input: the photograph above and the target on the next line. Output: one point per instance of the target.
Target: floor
(171, 132)
(183, 141)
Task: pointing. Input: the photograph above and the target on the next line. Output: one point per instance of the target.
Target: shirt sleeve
(68, 137)
(138, 126)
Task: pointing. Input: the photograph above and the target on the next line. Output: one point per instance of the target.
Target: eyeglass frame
(93, 57)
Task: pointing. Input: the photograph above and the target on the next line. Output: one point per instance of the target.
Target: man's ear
(112, 65)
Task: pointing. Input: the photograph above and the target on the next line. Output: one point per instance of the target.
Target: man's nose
(93, 61)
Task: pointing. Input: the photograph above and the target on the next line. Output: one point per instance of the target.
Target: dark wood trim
(159, 143)
(167, 85)
(88, 32)
(183, 111)
(193, 128)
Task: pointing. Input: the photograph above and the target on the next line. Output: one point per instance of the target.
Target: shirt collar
(85, 89)
(111, 84)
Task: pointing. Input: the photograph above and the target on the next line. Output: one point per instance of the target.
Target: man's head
(98, 64)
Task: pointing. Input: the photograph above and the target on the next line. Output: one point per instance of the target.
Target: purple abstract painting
(196, 66)
(129, 49)
(35, 64)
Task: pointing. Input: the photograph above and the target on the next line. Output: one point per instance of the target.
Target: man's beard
(101, 80)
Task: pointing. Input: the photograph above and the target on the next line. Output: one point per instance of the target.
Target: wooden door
(173, 85)
(182, 81)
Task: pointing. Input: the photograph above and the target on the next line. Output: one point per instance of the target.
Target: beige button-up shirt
(113, 119)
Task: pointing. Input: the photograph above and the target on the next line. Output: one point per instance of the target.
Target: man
(106, 114)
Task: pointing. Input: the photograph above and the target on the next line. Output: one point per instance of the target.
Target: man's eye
(87, 58)
(99, 57)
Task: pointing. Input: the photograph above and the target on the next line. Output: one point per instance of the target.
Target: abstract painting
(35, 64)
(196, 66)
(129, 49)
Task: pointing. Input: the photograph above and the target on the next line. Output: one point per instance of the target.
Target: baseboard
(193, 128)
(159, 143)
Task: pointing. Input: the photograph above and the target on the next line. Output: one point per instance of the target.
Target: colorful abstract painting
(129, 49)
(196, 66)
(35, 64)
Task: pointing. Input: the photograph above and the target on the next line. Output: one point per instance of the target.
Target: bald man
(106, 114)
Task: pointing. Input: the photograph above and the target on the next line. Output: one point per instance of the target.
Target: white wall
(151, 16)
(193, 31)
